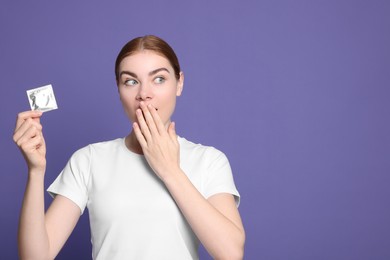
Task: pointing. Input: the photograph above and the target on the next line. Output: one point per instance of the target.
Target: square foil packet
(42, 98)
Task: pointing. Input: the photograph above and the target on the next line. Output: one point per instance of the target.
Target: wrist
(172, 176)
(36, 171)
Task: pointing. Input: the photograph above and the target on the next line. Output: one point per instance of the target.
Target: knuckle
(38, 138)
(22, 145)
(36, 130)
(19, 143)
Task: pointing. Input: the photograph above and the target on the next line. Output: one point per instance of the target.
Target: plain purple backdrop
(296, 93)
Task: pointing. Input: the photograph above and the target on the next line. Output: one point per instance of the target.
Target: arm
(40, 235)
(216, 220)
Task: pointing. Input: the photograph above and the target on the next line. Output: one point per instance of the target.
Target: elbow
(232, 254)
(238, 253)
(235, 251)
(23, 255)
(34, 257)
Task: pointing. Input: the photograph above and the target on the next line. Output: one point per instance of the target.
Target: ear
(180, 84)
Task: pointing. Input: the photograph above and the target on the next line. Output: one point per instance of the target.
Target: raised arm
(215, 221)
(40, 235)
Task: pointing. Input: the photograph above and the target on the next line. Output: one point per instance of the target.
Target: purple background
(296, 93)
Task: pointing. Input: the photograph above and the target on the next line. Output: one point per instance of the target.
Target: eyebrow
(157, 71)
(128, 73)
(153, 72)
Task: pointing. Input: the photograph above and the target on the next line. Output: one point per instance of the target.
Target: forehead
(144, 61)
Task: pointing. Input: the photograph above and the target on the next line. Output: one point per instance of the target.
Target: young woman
(150, 195)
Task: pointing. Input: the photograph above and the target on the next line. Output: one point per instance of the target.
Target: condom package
(42, 98)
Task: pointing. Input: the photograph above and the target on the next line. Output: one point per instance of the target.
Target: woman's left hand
(215, 221)
(160, 145)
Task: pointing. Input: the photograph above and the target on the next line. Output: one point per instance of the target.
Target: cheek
(128, 106)
(167, 105)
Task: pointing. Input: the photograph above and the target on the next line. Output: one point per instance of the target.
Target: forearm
(222, 238)
(217, 225)
(32, 237)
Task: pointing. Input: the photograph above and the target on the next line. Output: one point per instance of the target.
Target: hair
(150, 43)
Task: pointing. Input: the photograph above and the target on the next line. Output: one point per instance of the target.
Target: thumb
(37, 116)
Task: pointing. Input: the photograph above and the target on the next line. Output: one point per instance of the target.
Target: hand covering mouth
(147, 105)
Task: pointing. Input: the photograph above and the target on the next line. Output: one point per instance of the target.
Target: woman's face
(149, 77)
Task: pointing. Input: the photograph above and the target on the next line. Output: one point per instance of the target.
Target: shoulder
(190, 146)
(192, 149)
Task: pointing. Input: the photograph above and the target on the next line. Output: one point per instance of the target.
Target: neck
(132, 143)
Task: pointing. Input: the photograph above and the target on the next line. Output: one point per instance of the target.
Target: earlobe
(180, 84)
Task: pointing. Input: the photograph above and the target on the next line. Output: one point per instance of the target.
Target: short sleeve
(72, 182)
(219, 178)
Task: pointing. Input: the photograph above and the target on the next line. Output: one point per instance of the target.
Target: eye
(159, 80)
(130, 82)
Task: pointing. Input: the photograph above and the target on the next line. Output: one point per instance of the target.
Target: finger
(25, 115)
(33, 144)
(139, 135)
(149, 118)
(142, 125)
(28, 123)
(43, 139)
(157, 120)
(27, 135)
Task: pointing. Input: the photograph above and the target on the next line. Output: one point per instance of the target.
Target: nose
(144, 93)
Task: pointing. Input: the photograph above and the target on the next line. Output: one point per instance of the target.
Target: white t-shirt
(132, 214)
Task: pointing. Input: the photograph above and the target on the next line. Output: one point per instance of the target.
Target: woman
(150, 195)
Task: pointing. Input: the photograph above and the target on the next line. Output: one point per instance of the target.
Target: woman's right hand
(29, 138)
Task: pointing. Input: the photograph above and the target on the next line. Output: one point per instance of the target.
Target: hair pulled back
(150, 43)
